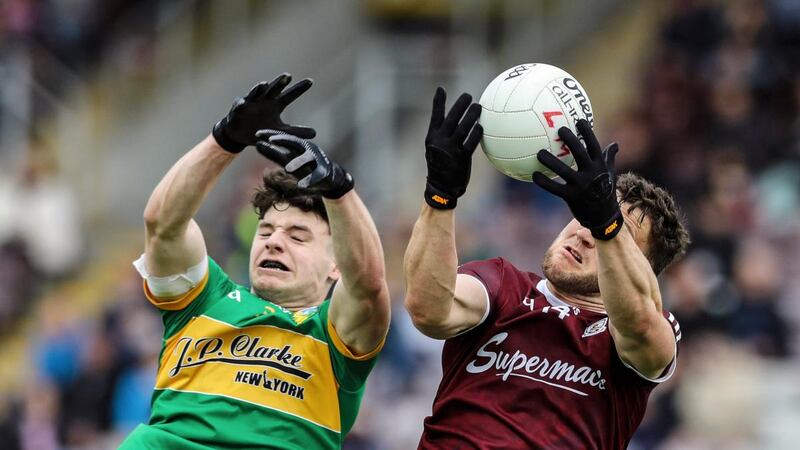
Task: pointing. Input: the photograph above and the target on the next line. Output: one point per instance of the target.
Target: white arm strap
(173, 285)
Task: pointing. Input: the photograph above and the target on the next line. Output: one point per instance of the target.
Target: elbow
(429, 325)
(422, 315)
(414, 309)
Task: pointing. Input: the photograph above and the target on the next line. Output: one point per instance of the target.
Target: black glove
(591, 191)
(259, 109)
(448, 149)
(306, 161)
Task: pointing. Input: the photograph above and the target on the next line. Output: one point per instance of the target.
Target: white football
(523, 108)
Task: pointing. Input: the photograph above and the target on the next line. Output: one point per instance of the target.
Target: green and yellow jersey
(237, 371)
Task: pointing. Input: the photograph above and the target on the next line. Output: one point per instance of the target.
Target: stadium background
(99, 97)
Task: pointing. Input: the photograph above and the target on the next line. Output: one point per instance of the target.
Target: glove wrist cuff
(342, 188)
(609, 229)
(227, 144)
(439, 199)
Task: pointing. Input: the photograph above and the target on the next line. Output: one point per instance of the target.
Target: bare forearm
(180, 193)
(628, 285)
(356, 247)
(643, 338)
(430, 266)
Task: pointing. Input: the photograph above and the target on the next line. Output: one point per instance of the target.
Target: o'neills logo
(534, 368)
(242, 350)
(574, 99)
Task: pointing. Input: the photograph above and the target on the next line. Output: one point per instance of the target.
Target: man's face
(571, 261)
(291, 260)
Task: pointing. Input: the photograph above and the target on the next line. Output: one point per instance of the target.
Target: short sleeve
(351, 371)
(489, 272)
(176, 313)
(673, 365)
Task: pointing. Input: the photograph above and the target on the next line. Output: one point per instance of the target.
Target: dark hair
(668, 238)
(280, 187)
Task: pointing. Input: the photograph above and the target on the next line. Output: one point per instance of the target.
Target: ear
(334, 274)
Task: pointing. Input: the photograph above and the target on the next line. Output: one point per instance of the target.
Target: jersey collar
(542, 287)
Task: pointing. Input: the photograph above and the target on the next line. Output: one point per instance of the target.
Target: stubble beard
(567, 282)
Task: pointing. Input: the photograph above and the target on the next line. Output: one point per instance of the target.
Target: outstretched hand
(449, 146)
(261, 108)
(590, 192)
(307, 162)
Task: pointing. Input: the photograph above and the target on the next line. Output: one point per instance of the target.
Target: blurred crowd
(47, 45)
(716, 121)
(718, 124)
(87, 372)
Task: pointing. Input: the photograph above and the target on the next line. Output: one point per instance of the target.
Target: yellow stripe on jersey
(342, 347)
(176, 303)
(260, 364)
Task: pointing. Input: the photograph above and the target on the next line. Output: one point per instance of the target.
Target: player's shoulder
(496, 263)
(220, 284)
(499, 274)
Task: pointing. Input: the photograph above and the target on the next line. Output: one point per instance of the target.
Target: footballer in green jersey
(282, 364)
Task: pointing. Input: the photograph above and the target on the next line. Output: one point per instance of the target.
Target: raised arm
(173, 240)
(360, 306)
(628, 287)
(642, 336)
(440, 302)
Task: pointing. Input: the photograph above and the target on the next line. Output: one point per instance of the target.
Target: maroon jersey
(536, 373)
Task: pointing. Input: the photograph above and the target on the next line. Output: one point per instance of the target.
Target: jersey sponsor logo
(264, 365)
(534, 368)
(235, 295)
(272, 384)
(596, 328)
(242, 349)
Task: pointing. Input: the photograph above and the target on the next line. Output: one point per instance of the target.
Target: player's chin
(266, 280)
(564, 270)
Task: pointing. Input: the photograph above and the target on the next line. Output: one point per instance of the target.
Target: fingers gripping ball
(590, 191)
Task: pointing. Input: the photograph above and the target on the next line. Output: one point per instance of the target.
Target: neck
(592, 303)
(289, 300)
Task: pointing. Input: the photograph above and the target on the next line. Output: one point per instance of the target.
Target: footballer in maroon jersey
(563, 361)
